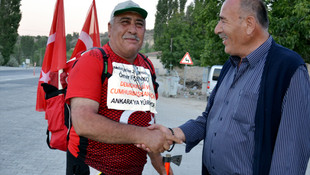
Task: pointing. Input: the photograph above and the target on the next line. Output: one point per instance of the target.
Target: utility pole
(170, 65)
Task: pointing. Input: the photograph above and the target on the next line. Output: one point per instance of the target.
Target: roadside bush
(1, 60)
(12, 62)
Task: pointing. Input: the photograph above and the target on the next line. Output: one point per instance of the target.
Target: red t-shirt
(85, 81)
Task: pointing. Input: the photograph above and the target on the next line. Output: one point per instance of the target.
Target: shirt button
(212, 151)
(226, 102)
(221, 118)
(213, 167)
(215, 134)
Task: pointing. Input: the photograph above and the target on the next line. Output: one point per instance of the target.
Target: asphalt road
(23, 150)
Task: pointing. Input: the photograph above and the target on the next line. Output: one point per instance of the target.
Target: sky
(37, 15)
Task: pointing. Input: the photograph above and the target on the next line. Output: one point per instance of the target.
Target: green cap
(128, 6)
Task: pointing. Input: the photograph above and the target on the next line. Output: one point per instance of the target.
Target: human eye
(125, 21)
(140, 23)
(222, 20)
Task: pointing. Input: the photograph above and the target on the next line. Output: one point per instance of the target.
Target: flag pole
(59, 82)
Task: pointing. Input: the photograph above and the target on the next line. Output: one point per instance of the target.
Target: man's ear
(109, 29)
(251, 24)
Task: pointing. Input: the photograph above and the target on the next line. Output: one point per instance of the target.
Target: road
(23, 150)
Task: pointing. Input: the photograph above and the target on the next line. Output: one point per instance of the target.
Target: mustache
(222, 35)
(131, 37)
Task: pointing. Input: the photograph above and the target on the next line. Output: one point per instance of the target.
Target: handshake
(158, 138)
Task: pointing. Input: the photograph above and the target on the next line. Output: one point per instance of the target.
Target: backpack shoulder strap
(150, 65)
(105, 73)
(148, 62)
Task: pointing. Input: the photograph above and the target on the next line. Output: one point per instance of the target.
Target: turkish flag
(89, 36)
(55, 55)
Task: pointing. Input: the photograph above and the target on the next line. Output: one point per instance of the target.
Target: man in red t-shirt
(110, 117)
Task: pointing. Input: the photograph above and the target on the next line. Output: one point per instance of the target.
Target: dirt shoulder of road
(194, 80)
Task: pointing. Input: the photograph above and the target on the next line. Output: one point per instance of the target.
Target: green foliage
(39, 49)
(176, 32)
(33, 47)
(147, 48)
(193, 31)
(104, 38)
(207, 16)
(17, 53)
(38, 56)
(172, 36)
(290, 24)
(12, 62)
(27, 45)
(30, 47)
(69, 38)
(161, 19)
(71, 41)
(10, 17)
(1, 59)
(175, 40)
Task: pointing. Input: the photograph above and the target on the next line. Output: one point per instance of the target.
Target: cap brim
(141, 11)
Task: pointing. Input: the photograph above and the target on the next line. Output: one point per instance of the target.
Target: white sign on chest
(130, 88)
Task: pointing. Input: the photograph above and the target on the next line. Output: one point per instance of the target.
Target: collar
(254, 57)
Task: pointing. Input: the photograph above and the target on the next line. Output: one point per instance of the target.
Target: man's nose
(218, 28)
(132, 29)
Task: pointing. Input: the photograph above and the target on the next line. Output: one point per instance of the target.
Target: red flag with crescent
(89, 36)
(55, 55)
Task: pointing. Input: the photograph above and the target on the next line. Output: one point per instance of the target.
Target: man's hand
(158, 164)
(178, 137)
(155, 141)
(177, 131)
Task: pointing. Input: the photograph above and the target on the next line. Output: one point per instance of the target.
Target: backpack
(57, 111)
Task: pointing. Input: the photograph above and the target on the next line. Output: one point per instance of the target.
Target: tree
(104, 38)
(207, 15)
(69, 39)
(10, 17)
(175, 40)
(177, 32)
(290, 24)
(182, 5)
(146, 48)
(39, 47)
(171, 31)
(27, 46)
(161, 18)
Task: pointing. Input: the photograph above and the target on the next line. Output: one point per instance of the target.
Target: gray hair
(112, 20)
(258, 9)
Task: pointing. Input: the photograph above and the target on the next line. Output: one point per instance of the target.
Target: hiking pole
(174, 159)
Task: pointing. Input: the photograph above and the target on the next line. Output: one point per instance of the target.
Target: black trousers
(76, 166)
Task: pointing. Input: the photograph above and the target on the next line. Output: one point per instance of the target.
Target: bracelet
(173, 141)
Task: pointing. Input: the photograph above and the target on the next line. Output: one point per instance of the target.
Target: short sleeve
(84, 80)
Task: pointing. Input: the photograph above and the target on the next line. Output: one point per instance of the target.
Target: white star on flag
(45, 77)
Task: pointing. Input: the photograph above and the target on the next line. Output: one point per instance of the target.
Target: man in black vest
(257, 120)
